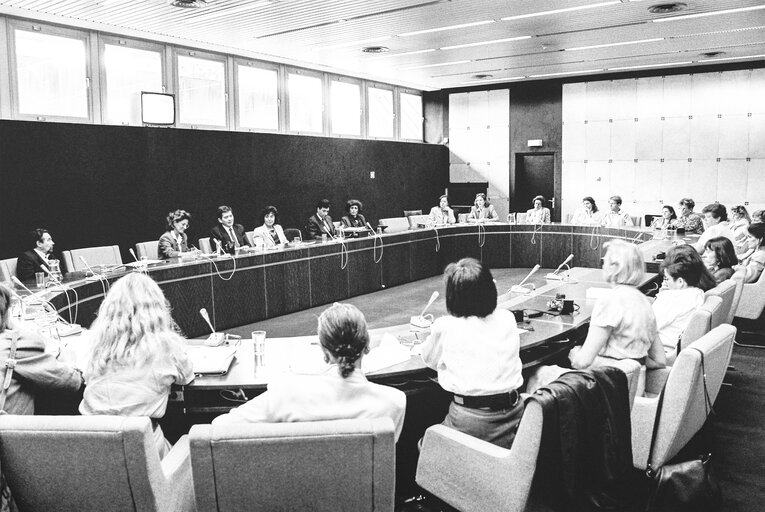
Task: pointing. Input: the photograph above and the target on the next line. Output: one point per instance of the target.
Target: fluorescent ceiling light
(558, 11)
(667, 64)
(623, 43)
(712, 13)
(453, 63)
(566, 73)
(481, 43)
(472, 82)
(734, 58)
(355, 43)
(716, 32)
(450, 27)
(234, 10)
(416, 52)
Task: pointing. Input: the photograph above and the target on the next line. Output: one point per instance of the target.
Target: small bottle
(379, 231)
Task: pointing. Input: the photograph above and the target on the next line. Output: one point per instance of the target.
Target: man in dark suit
(29, 262)
(320, 223)
(231, 236)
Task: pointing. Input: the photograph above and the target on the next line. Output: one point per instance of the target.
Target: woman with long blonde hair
(137, 355)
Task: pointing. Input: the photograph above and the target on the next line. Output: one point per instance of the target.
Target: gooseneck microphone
(50, 274)
(132, 253)
(216, 338)
(520, 288)
(89, 268)
(421, 320)
(430, 302)
(554, 274)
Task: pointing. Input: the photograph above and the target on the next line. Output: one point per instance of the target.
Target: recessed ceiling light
(567, 73)
(481, 43)
(711, 13)
(375, 49)
(450, 27)
(662, 65)
(558, 11)
(667, 8)
(622, 43)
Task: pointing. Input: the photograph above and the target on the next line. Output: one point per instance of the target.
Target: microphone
(371, 230)
(132, 253)
(91, 270)
(216, 338)
(554, 274)
(421, 320)
(50, 274)
(520, 288)
(40, 301)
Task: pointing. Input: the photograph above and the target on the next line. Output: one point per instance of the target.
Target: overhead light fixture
(375, 49)
(567, 73)
(450, 27)
(482, 43)
(623, 43)
(711, 13)
(667, 8)
(507, 79)
(716, 32)
(482, 76)
(644, 66)
(559, 11)
(734, 58)
(711, 55)
(189, 4)
(362, 43)
(453, 63)
(416, 52)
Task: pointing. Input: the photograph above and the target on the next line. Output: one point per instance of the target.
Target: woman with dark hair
(691, 222)
(588, 214)
(353, 217)
(538, 214)
(442, 214)
(482, 210)
(270, 232)
(719, 257)
(341, 391)
(756, 263)
(475, 351)
(668, 219)
(175, 241)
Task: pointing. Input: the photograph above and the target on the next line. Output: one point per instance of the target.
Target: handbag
(688, 485)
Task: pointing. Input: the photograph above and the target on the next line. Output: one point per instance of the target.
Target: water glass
(259, 346)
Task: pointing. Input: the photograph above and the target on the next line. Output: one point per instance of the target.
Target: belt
(494, 402)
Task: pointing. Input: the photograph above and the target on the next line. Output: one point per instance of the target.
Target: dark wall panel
(102, 185)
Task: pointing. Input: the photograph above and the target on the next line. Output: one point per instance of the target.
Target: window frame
(288, 104)
(394, 97)
(280, 93)
(85, 36)
(411, 92)
(197, 54)
(362, 111)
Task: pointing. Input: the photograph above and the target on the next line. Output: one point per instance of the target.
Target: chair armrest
(176, 467)
(642, 416)
(655, 380)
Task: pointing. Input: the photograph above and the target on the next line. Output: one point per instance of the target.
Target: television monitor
(157, 109)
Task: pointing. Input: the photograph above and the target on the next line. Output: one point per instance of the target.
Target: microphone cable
(343, 254)
(377, 237)
(438, 239)
(481, 234)
(537, 229)
(595, 237)
(215, 266)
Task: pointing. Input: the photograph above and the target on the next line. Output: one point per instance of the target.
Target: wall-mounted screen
(157, 109)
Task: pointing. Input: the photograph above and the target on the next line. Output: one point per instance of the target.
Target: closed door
(534, 175)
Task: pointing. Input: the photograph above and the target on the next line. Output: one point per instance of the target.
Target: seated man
(230, 236)
(715, 224)
(29, 262)
(320, 223)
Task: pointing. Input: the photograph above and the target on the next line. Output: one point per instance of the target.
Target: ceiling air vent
(667, 8)
(482, 76)
(710, 55)
(375, 49)
(189, 4)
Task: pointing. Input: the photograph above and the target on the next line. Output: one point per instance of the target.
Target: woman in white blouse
(270, 232)
(588, 214)
(539, 214)
(482, 210)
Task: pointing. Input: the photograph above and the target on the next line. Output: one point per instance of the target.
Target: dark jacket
(316, 226)
(221, 234)
(585, 458)
(28, 264)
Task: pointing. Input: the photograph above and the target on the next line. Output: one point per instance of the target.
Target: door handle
(553, 202)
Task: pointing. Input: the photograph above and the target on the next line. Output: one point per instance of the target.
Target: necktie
(233, 237)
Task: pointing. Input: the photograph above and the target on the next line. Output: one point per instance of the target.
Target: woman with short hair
(688, 220)
(175, 241)
(270, 232)
(719, 257)
(538, 214)
(353, 217)
(341, 391)
(137, 355)
(475, 351)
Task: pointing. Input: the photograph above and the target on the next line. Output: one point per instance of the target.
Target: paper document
(211, 360)
(389, 353)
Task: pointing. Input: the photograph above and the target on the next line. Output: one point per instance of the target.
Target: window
(305, 103)
(411, 116)
(380, 112)
(129, 71)
(201, 91)
(258, 97)
(51, 74)
(345, 99)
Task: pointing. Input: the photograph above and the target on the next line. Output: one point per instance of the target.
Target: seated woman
(719, 257)
(668, 219)
(442, 214)
(539, 214)
(353, 217)
(679, 298)
(174, 241)
(475, 351)
(36, 370)
(482, 210)
(588, 214)
(740, 221)
(270, 232)
(340, 392)
(136, 356)
(623, 325)
(616, 217)
(691, 222)
(753, 269)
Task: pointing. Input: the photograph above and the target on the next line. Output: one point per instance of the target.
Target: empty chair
(92, 463)
(7, 269)
(104, 255)
(250, 237)
(292, 233)
(473, 475)
(395, 224)
(204, 245)
(683, 412)
(752, 301)
(520, 218)
(339, 465)
(147, 250)
(726, 291)
(407, 213)
(699, 324)
(419, 221)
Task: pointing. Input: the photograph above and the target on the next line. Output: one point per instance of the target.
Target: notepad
(211, 360)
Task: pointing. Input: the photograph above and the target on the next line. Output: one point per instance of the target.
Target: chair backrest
(462, 218)
(726, 291)
(104, 255)
(473, 475)
(520, 218)
(82, 463)
(632, 369)
(407, 213)
(148, 250)
(648, 218)
(292, 233)
(250, 236)
(338, 465)
(684, 412)
(637, 220)
(7, 269)
(395, 224)
(204, 245)
(752, 300)
(700, 322)
(418, 221)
